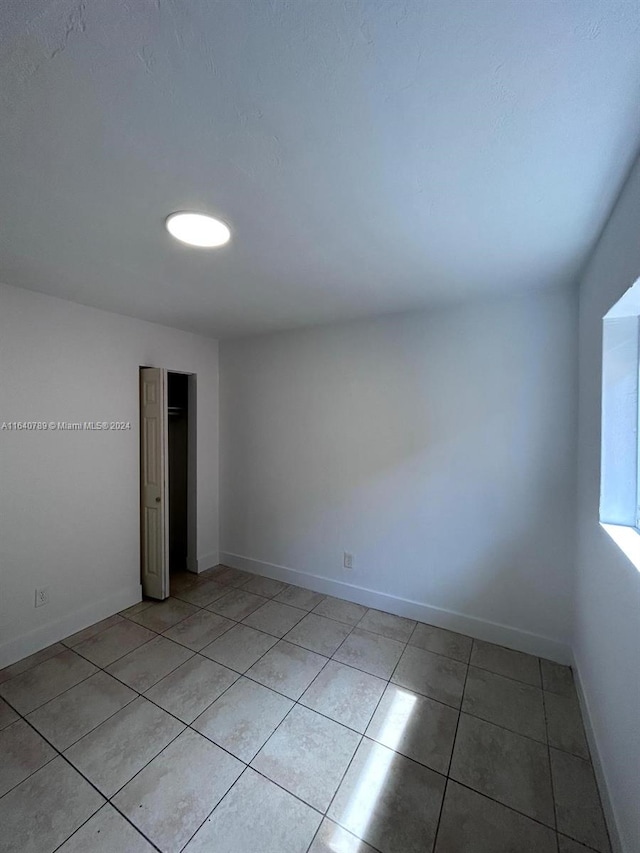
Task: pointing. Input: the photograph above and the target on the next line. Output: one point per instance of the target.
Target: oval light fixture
(198, 229)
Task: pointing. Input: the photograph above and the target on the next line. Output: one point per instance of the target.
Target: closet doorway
(167, 477)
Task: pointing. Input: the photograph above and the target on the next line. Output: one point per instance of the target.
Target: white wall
(607, 611)
(69, 501)
(438, 448)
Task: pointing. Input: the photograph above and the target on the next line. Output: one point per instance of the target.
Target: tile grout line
(240, 675)
(513, 732)
(453, 746)
(482, 793)
(121, 681)
(59, 753)
(335, 793)
(249, 765)
(190, 727)
(502, 675)
(108, 803)
(362, 737)
(374, 741)
(86, 779)
(140, 695)
(278, 639)
(42, 766)
(504, 805)
(283, 637)
(546, 728)
(444, 797)
(223, 797)
(57, 696)
(296, 702)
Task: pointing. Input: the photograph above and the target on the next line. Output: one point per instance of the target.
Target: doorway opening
(167, 477)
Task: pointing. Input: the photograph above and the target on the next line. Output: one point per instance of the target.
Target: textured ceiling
(370, 156)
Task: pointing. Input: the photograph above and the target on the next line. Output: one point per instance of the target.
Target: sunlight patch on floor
(374, 776)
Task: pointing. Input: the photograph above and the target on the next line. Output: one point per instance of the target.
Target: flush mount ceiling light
(198, 229)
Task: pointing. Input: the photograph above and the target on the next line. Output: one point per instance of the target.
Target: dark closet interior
(178, 393)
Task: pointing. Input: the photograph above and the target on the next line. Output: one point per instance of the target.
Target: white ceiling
(371, 156)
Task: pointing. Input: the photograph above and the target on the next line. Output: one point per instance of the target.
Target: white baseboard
(481, 629)
(207, 561)
(26, 644)
(598, 766)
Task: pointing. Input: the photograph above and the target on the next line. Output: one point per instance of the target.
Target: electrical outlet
(42, 596)
(348, 560)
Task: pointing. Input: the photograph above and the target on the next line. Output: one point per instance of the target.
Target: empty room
(319, 426)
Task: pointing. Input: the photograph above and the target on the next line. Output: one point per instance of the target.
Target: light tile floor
(243, 715)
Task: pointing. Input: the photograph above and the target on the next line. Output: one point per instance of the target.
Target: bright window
(620, 474)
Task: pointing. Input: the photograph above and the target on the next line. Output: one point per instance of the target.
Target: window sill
(627, 539)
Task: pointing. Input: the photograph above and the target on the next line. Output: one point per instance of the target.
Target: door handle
(157, 500)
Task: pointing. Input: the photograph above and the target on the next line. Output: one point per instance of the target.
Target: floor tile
(287, 668)
(578, 806)
(214, 572)
(91, 631)
(199, 630)
(114, 752)
(127, 746)
(7, 715)
(237, 604)
(415, 726)
(240, 647)
(31, 661)
(68, 717)
(163, 614)
(253, 809)
(505, 766)
(64, 802)
(264, 586)
(512, 704)
(35, 686)
(107, 832)
(433, 675)
(319, 634)
(332, 838)
(22, 752)
(298, 596)
(136, 608)
(202, 594)
(389, 801)
(146, 665)
(308, 755)
(369, 652)
(568, 845)
(182, 581)
(442, 642)
(394, 627)
(471, 822)
(557, 678)
(274, 618)
(228, 576)
(243, 718)
(347, 695)
(172, 796)
(191, 688)
(564, 724)
(341, 611)
(507, 662)
(114, 643)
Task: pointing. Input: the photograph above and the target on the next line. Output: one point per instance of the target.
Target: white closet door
(154, 482)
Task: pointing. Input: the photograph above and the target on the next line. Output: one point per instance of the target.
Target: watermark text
(63, 426)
